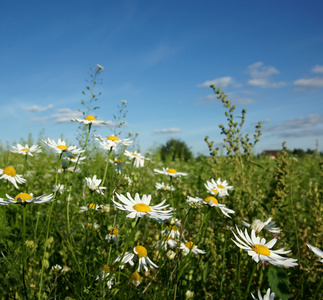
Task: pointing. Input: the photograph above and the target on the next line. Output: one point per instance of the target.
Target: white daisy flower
(113, 235)
(258, 225)
(141, 207)
(105, 275)
(90, 206)
(111, 142)
(258, 249)
(70, 169)
(167, 242)
(10, 174)
(188, 247)
(91, 120)
(26, 150)
(61, 147)
(213, 202)
(139, 160)
(128, 180)
(267, 296)
(94, 184)
(141, 253)
(59, 188)
(163, 186)
(219, 187)
(173, 229)
(56, 268)
(99, 67)
(317, 251)
(65, 269)
(170, 172)
(24, 198)
(135, 279)
(74, 158)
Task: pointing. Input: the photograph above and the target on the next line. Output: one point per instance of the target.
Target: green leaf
(278, 282)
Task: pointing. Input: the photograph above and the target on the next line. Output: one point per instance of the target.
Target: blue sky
(161, 57)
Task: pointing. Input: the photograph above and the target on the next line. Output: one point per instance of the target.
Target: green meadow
(63, 236)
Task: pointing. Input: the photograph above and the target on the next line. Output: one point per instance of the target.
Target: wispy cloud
(261, 76)
(317, 69)
(36, 108)
(65, 115)
(168, 130)
(314, 82)
(298, 127)
(221, 82)
(309, 83)
(243, 101)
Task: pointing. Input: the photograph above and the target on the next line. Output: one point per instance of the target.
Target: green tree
(175, 149)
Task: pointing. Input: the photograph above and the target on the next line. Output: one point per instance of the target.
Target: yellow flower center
(113, 138)
(215, 191)
(134, 154)
(220, 186)
(114, 231)
(91, 206)
(90, 118)
(10, 171)
(107, 269)
(261, 249)
(171, 171)
(141, 251)
(141, 207)
(22, 197)
(135, 276)
(25, 149)
(173, 227)
(211, 199)
(189, 245)
(166, 238)
(165, 187)
(117, 161)
(62, 147)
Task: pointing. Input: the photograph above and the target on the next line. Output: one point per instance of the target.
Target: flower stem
(250, 280)
(24, 262)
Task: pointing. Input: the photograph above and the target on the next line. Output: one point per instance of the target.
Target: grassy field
(82, 245)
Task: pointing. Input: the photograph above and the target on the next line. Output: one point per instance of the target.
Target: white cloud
(36, 108)
(168, 130)
(260, 76)
(309, 83)
(221, 82)
(65, 115)
(317, 69)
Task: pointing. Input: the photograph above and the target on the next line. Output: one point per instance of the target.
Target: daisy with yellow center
(213, 202)
(138, 159)
(219, 188)
(25, 198)
(258, 225)
(173, 228)
(26, 150)
(164, 187)
(135, 278)
(111, 142)
(61, 147)
(141, 253)
(91, 120)
(138, 208)
(170, 172)
(105, 275)
(10, 174)
(94, 184)
(188, 247)
(90, 206)
(113, 235)
(259, 250)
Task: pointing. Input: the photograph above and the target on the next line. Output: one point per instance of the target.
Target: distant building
(271, 153)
